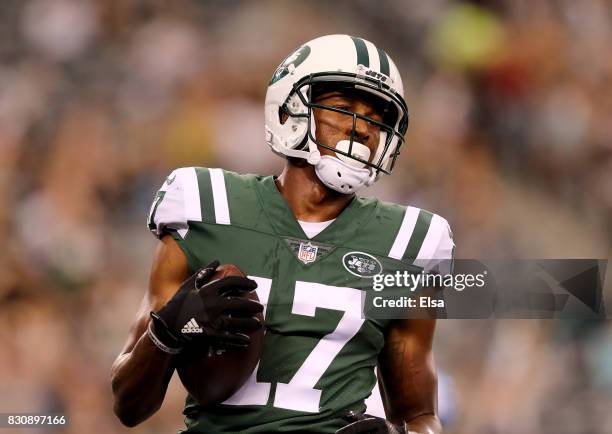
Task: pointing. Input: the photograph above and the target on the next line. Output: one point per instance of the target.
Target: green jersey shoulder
(194, 195)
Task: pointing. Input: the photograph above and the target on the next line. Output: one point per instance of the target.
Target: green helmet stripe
(363, 58)
(384, 62)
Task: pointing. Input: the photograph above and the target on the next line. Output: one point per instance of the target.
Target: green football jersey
(320, 353)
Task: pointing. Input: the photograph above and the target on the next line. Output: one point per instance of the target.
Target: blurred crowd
(510, 139)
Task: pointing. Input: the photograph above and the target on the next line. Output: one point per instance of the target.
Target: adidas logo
(191, 326)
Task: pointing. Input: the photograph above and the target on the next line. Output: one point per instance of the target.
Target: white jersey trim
(217, 181)
(432, 239)
(404, 234)
(179, 204)
(191, 195)
(312, 229)
(437, 245)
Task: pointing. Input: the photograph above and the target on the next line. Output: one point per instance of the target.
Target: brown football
(211, 379)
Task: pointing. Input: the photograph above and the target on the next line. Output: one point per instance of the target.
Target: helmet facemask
(392, 127)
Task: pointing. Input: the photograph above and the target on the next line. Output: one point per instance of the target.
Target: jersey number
(299, 394)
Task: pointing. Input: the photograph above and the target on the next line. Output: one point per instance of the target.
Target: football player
(335, 111)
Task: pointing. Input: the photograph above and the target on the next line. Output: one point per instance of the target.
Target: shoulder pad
(176, 203)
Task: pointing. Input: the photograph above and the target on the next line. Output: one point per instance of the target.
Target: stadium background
(510, 140)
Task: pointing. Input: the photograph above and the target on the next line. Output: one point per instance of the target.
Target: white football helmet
(346, 62)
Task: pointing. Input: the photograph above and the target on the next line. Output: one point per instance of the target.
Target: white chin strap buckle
(343, 174)
(314, 158)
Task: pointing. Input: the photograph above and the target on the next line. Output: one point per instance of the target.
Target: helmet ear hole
(282, 115)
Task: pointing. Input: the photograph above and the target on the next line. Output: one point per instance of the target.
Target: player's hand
(366, 424)
(208, 312)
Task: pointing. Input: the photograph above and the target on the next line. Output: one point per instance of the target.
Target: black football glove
(211, 313)
(366, 424)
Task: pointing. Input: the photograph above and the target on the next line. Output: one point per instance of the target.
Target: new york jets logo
(361, 264)
(295, 59)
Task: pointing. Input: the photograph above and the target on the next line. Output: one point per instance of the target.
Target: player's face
(333, 126)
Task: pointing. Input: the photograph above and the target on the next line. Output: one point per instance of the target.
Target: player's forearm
(424, 424)
(139, 380)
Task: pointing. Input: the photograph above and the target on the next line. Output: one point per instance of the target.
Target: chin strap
(342, 177)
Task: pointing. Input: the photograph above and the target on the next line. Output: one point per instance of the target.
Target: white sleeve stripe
(217, 182)
(191, 195)
(404, 234)
(435, 249)
(432, 239)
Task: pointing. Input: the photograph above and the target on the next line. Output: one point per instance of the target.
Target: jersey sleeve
(437, 252)
(176, 203)
(423, 239)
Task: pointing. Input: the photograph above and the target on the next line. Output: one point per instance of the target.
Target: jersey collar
(345, 226)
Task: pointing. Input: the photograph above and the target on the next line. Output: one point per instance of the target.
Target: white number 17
(299, 394)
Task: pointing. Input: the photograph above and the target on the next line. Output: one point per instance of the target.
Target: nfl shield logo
(307, 253)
